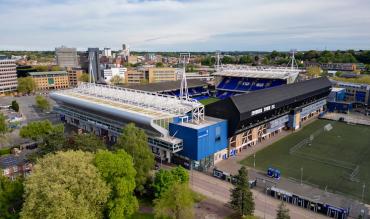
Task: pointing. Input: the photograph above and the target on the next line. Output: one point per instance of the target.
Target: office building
(8, 75)
(73, 76)
(94, 66)
(135, 77)
(66, 57)
(154, 75)
(107, 52)
(50, 80)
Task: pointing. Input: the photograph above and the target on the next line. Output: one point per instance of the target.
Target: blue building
(200, 141)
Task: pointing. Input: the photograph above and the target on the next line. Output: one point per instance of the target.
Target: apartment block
(50, 80)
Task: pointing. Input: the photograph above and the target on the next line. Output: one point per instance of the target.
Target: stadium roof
(258, 72)
(240, 108)
(127, 101)
(277, 94)
(166, 86)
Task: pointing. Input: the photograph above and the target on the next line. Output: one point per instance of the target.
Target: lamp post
(301, 175)
(254, 160)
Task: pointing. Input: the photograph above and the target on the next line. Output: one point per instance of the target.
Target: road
(265, 206)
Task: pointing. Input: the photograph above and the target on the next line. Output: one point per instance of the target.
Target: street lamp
(254, 160)
(301, 174)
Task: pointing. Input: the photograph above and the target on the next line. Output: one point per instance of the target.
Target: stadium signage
(264, 109)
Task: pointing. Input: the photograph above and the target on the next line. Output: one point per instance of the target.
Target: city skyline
(186, 25)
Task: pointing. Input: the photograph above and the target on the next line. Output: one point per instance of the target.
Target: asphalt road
(265, 206)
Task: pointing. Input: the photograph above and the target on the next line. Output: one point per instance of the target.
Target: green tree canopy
(164, 179)
(116, 79)
(159, 65)
(15, 106)
(42, 103)
(65, 185)
(282, 212)
(36, 130)
(176, 202)
(314, 71)
(241, 198)
(245, 59)
(11, 197)
(84, 77)
(135, 142)
(3, 124)
(26, 85)
(85, 142)
(119, 173)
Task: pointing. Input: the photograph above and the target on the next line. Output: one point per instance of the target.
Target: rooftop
(147, 104)
(46, 73)
(166, 86)
(257, 72)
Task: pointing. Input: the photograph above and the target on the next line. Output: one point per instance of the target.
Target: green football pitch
(209, 100)
(337, 159)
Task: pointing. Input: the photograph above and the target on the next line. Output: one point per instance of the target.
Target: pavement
(29, 113)
(312, 192)
(265, 206)
(352, 117)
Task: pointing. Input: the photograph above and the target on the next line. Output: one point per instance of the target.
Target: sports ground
(336, 159)
(209, 100)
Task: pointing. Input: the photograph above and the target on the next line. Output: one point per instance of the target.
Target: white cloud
(185, 25)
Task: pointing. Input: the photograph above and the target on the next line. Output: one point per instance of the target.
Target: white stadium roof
(141, 103)
(258, 72)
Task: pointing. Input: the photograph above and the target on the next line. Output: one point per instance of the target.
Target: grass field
(209, 100)
(328, 160)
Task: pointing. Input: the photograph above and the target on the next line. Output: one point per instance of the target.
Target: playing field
(338, 159)
(209, 100)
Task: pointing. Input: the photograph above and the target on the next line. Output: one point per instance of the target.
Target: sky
(185, 25)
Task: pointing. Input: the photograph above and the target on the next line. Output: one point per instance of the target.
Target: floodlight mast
(184, 58)
(218, 60)
(293, 61)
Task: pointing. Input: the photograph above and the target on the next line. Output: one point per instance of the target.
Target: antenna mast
(184, 58)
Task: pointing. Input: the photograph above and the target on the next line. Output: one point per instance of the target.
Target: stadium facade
(256, 116)
(182, 130)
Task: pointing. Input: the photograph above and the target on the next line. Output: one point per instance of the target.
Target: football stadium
(180, 129)
(332, 155)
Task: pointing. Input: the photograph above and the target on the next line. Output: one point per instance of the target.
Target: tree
(65, 185)
(282, 212)
(15, 106)
(116, 79)
(84, 77)
(119, 173)
(3, 124)
(36, 130)
(135, 142)
(55, 68)
(241, 198)
(177, 202)
(246, 59)
(41, 68)
(11, 197)
(84, 142)
(42, 103)
(164, 179)
(26, 85)
(313, 71)
(159, 65)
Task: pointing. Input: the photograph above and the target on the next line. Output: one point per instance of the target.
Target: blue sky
(191, 25)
